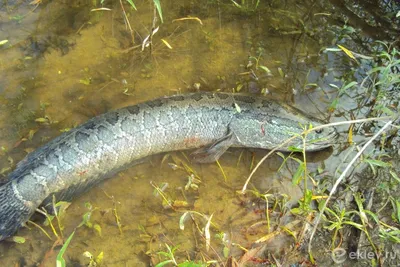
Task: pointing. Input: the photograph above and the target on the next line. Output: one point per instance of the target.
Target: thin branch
(127, 22)
(263, 159)
(153, 27)
(304, 133)
(338, 181)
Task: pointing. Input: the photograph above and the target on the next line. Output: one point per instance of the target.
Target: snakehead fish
(212, 122)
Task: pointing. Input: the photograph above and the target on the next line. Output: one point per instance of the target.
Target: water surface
(64, 64)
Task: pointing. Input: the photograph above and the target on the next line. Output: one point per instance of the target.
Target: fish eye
(319, 131)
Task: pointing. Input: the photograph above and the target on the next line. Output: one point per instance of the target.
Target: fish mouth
(316, 144)
(323, 142)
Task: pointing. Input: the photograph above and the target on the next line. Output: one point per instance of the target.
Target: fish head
(270, 128)
(313, 132)
(316, 137)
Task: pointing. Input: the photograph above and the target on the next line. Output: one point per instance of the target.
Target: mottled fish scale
(104, 145)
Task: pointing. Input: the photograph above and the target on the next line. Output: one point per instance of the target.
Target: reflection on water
(64, 63)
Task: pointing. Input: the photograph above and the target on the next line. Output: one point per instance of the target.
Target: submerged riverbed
(63, 62)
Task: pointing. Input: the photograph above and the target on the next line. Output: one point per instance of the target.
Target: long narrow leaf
(159, 10)
(60, 262)
(161, 264)
(132, 4)
(298, 174)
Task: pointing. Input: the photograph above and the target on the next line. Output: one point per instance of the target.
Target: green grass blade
(159, 10)
(164, 263)
(132, 4)
(60, 262)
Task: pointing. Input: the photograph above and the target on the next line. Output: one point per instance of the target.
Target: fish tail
(14, 211)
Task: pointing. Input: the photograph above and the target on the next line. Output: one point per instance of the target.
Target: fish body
(76, 160)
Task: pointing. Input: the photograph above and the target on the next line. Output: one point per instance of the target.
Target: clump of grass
(94, 261)
(60, 262)
(246, 5)
(169, 255)
(57, 230)
(86, 219)
(379, 84)
(59, 210)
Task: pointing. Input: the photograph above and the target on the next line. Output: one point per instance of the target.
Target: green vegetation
(59, 214)
(60, 262)
(246, 5)
(197, 216)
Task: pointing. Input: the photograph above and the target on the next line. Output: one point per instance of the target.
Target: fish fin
(68, 194)
(212, 153)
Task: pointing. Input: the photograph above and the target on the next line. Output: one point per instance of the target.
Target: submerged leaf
(164, 263)
(60, 262)
(189, 18)
(207, 233)
(18, 239)
(348, 52)
(236, 4)
(182, 220)
(281, 72)
(158, 7)
(166, 44)
(191, 264)
(265, 69)
(298, 174)
(97, 228)
(42, 120)
(350, 135)
(132, 4)
(99, 258)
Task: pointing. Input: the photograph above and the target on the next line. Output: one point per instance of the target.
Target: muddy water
(64, 64)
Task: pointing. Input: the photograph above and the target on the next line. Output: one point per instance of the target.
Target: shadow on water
(64, 63)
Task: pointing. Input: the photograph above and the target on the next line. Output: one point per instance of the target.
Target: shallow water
(64, 64)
